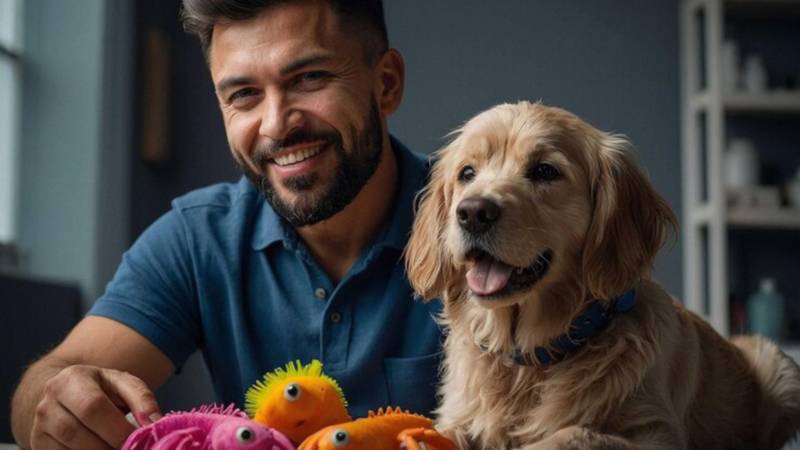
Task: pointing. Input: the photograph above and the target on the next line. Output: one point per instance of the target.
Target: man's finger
(40, 440)
(134, 393)
(98, 413)
(46, 442)
(67, 431)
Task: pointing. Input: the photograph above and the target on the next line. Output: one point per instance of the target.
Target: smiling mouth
(299, 155)
(490, 278)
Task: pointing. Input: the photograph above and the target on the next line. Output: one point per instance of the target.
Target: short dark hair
(363, 18)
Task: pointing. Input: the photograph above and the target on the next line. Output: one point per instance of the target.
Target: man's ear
(428, 264)
(630, 222)
(391, 73)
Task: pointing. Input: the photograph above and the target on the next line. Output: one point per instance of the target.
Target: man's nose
(279, 117)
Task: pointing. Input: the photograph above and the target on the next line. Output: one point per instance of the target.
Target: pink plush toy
(207, 428)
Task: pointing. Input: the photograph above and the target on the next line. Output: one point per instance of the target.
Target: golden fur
(656, 377)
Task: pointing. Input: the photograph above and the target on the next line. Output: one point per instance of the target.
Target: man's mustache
(265, 152)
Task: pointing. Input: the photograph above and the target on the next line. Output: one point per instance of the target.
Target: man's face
(299, 103)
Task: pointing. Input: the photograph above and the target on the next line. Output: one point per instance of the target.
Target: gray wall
(60, 139)
(75, 140)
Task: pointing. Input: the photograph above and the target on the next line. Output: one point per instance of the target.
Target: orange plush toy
(384, 430)
(310, 408)
(297, 401)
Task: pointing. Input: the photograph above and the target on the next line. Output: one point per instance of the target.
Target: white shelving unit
(779, 102)
(706, 110)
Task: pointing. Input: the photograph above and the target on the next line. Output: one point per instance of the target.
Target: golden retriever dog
(539, 233)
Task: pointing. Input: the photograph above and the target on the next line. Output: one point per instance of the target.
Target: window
(10, 86)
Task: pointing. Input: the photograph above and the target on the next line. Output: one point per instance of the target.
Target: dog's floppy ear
(630, 222)
(427, 264)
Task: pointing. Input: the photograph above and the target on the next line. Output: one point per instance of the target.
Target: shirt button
(320, 293)
(336, 317)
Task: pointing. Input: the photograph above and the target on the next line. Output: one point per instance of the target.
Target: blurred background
(107, 113)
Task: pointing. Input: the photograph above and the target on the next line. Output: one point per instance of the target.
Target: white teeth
(297, 156)
(520, 270)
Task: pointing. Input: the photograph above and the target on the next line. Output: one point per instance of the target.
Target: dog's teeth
(520, 270)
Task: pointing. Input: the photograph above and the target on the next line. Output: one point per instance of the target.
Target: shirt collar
(270, 228)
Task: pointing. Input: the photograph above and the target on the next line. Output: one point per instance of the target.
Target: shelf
(701, 215)
(770, 102)
(717, 233)
(765, 218)
(768, 218)
(740, 102)
(699, 102)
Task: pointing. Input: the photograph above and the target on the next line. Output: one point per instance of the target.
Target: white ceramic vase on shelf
(755, 75)
(741, 165)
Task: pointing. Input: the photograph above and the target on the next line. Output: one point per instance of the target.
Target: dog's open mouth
(490, 277)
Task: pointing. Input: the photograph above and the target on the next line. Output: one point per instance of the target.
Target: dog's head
(527, 198)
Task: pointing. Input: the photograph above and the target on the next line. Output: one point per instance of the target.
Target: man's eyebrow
(305, 61)
(227, 83)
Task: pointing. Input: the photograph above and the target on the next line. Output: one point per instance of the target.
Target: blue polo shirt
(221, 271)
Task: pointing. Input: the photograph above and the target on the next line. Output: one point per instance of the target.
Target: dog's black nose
(476, 215)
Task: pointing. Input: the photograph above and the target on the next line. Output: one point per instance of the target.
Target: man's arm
(76, 396)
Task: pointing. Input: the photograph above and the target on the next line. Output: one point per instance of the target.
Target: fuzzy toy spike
(297, 400)
(230, 410)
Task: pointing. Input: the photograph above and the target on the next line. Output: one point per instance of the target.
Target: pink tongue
(488, 276)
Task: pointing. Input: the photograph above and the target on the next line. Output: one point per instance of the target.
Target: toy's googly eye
(292, 392)
(340, 438)
(244, 434)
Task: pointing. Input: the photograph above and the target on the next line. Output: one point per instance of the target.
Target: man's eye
(312, 78)
(242, 94)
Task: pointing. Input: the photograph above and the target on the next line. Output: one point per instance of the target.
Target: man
(299, 260)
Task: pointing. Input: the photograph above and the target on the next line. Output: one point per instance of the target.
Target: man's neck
(336, 243)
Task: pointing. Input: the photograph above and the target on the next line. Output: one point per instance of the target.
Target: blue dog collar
(590, 323)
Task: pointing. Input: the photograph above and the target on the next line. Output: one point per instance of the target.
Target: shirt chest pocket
(412, 382)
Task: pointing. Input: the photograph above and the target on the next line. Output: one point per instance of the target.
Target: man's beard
(351, 174)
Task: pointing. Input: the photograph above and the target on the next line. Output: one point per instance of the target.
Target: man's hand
(83, 408)
(76, 396)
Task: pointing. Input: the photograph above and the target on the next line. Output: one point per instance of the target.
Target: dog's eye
(542, 172)
(466, 175)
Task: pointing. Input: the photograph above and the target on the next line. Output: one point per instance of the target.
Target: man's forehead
(284, 23)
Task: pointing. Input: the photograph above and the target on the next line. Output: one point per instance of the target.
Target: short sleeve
(153, 291)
